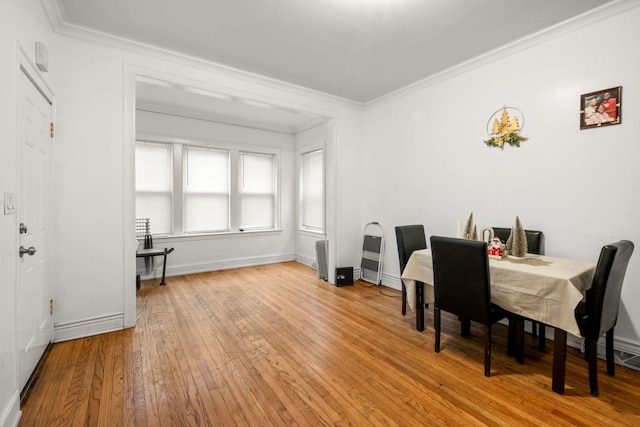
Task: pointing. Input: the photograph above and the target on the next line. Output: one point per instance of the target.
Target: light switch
(9, 203)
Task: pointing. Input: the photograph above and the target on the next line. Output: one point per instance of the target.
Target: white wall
(318, 137)
(89, 198)
(95, 276)
(22, 23)
(580, 187)
(208, 253)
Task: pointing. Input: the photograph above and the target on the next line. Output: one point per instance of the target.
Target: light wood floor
(275, 346)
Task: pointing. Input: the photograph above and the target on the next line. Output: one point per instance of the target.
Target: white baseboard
(307, 260)
(390, 281)
(10, 416)
(87, 327)
(181, 270)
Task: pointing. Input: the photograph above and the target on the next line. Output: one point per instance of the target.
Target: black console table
(148, 254)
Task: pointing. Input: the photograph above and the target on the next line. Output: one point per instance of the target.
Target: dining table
(538, 287)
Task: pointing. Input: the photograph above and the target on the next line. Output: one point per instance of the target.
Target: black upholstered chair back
(603, 299)
(461, 278)
(534, 239)
(409, 238)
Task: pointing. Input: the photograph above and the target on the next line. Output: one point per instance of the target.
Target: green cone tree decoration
(518, 239)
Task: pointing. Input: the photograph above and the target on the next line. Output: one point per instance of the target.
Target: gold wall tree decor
(504, 127)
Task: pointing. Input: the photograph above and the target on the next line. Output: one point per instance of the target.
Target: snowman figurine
(495, 247)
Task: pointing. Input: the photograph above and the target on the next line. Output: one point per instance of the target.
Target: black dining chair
(598, 314)
(534, 246)
(462, 287)
(409, 238)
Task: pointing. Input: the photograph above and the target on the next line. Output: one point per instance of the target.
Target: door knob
(29, 251)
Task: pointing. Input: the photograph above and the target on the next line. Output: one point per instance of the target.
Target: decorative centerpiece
(496, 248)
(470, 231)
(517, 241)
(505, 128)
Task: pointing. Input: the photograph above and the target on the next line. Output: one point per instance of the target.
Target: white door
(34, 293)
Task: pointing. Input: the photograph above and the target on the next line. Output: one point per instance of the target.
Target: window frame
(275, 194)
(170, 151)
(178, 146)
(300, 167)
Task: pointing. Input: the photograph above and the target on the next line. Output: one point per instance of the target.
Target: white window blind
(206, 190)
(188, 189)
(257, 191)
(154, 187)
(312, 191)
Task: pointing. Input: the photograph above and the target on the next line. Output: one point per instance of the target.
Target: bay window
(195, 189)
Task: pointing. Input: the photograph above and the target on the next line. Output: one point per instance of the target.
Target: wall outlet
(9, 203)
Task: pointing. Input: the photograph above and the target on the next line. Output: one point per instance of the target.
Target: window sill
(312, 233)
(210, 236)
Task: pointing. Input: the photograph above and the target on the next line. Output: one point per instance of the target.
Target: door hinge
(52, 130)
(51, 307)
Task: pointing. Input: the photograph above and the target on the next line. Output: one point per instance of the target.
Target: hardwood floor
(273, 345)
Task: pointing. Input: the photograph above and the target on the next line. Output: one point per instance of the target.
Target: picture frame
(601, 108)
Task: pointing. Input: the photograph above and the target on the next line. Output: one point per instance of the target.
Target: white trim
(10, 416)
(588, 18)
(129, 195)
(388, 280)
(626, 345)
(35, 75)
(190, 237)
(88, 327)
(300, 152)
(55, 15)
(214, 143)
(306, 260)
(180, 270)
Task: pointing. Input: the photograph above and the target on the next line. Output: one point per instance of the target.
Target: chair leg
(586, 349)
(511, 337)
(515, 338)
(542, 336)
(591, 350)
(404, 299)
(436, 322)
(465, 327)
(611, 366)
(487, 350)
(519, 340)
(420, 306)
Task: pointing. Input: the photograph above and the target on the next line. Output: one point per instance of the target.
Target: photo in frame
(601, 108)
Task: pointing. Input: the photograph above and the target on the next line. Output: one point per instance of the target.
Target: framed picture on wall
(601, 108)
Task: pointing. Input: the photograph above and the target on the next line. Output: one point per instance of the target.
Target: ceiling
(183, 101)
(355, 49)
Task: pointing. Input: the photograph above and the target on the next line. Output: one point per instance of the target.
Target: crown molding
(55, 13)
(608, 10)
(57, 19)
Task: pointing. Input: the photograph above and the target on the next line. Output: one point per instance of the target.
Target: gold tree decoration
(470, 231)
(505, 130)
(509, 244)
(518, 239)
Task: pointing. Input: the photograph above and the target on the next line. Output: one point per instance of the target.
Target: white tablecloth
(538, 287)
